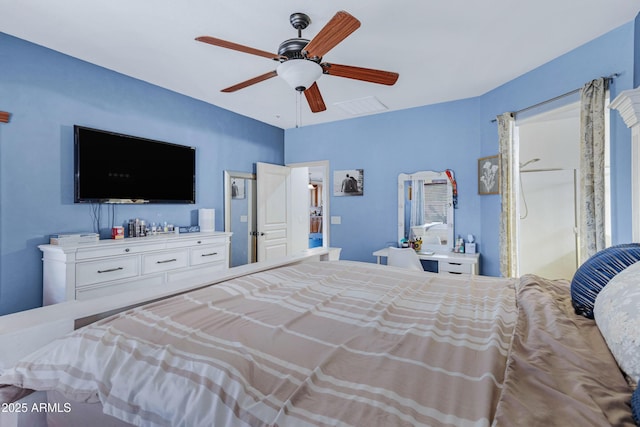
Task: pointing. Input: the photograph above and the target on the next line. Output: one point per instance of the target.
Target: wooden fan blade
(235, 46)
(314, 98)
(250, 82)
(358, 73)
(337, 29)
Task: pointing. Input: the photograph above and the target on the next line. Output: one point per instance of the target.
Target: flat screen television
(115, 168)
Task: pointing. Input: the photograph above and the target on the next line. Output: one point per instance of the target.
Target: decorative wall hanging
(238, 188)
(454, 187)
(489, 175)
(348, 182)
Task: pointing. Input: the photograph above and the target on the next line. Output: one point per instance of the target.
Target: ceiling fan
(301, 60)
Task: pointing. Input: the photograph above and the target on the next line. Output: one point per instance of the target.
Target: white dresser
(448, 262)
(107, 267)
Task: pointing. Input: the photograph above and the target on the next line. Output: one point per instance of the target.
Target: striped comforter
(314, 344)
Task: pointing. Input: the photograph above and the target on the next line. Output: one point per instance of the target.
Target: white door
(281, 201)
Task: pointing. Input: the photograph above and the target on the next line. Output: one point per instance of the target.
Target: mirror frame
(427, 176)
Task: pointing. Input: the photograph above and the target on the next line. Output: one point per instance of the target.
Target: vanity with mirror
(426, 222)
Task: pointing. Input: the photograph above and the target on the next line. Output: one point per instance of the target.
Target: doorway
(317, 204)
(240, 216)
(548, 200)
(241, 211)
(319, 201)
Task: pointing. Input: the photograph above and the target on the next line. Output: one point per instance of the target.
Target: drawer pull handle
(127, 250)
(455, 263)
(210, 254)
(166, 261)
(109, 270)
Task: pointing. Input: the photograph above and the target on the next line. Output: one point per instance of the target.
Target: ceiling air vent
(366, 105)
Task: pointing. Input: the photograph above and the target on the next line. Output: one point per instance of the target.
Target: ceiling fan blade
(358, 73)
(250, 82)
(235, 46)
(314, 98)
(337, 29)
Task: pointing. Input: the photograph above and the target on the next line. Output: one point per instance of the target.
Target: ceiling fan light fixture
(300, 74)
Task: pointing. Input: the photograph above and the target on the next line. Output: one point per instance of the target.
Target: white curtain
(508, 216)
(592, 179)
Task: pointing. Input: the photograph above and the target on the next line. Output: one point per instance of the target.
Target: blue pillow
(635, 405)
(596, 272)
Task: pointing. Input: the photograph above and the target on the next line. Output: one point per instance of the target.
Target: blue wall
(453, 136)
(385, 145)
(612, 53)
(47, 93)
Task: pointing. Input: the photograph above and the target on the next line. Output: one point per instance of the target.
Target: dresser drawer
(163, 261)
(207, 254)
(104, 270)
(107, 267)
(454, 267)
(199, 241)
(116, 249)
(110, 288)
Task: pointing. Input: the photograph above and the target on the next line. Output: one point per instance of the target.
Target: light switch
(244, 218)
(336, 220)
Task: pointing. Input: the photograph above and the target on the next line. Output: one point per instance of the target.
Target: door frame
(228, 177)
(324, 164)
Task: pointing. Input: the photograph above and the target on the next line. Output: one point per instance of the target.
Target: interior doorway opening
(548, 200)
(242, 205)
(240, 216)
(318, 202)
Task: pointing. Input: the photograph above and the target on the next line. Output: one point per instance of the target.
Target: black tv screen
(115, 168)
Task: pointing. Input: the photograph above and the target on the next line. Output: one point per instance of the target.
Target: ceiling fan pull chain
(298, 109)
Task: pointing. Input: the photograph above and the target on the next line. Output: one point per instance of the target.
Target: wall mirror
(425, 210)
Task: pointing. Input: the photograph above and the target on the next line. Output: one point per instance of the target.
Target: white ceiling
(442, 50)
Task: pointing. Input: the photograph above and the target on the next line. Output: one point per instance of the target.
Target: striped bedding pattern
(597, 271)
(314, 344)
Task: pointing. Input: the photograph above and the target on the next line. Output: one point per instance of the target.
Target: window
(436, 209)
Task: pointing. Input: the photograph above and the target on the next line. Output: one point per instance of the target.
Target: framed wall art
(489, 175)
(348, 182)
(238, 188)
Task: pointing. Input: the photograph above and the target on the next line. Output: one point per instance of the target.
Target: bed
(336, 343)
